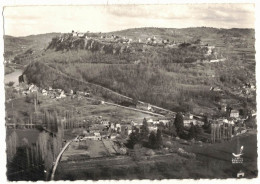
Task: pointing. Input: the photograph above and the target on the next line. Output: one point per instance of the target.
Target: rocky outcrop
(68, 42)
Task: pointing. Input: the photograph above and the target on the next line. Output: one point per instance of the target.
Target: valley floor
(212, 161)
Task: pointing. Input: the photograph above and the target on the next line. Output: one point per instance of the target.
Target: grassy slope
(14, 46)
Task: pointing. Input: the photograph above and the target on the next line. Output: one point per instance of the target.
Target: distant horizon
(32, 20)
(127, 29)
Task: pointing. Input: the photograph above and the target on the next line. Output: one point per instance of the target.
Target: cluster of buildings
(123, 39)
(26, 89)
(109, 130)
(190, 119)
(52, 93)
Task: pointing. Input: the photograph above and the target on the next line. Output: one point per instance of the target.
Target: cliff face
(68, 42)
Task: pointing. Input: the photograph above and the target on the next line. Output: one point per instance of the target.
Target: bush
(10, 84)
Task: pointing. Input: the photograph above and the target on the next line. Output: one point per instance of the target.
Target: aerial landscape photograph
(130, 92)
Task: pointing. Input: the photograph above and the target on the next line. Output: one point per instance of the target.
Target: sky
(28, 20)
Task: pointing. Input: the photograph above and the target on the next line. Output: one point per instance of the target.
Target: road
(59, 157)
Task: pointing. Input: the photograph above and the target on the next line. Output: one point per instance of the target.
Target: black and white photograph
(129, 92)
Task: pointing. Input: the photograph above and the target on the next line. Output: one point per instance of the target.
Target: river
(14, 76)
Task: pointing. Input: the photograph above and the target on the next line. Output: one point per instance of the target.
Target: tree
(179, 124)
(144, 130)
(172, 129)
(198, 130)
(192, 131)
(159, 140)
(10, 84)
(134, 138)
(206, 126)
(152, 140)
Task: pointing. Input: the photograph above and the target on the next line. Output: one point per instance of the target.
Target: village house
(92, 136)
(118, 127)
(74, 34)
(164, 121)
(44, 92)
(149, 107)
(133, 123)
(187, 121)
(234, 114)
(33, 88)
(62, 94)
(81, 35)
(229, 121)
(149, 121)
(253, 113)
(112, 126)
(156, 122)
(152, 128)
(7, 61)
(104, 122)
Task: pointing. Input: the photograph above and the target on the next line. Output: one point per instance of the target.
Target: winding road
(59, 157)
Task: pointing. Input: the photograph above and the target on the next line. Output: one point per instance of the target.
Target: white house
(149, 107)
(33, 88)
(74, 34)
(118, 125)
(93, 136)
(80, 34)
(164, 121)
(152, 128)
(234, 114)
(62, 94)
(231, 122)
(105, 122)
(71, 92)
(150, 121)
(44, 92)
(187, 121)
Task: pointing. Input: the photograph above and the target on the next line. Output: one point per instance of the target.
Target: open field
(212, 161)
(81, 108)
(84, 150)
(123, 167)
